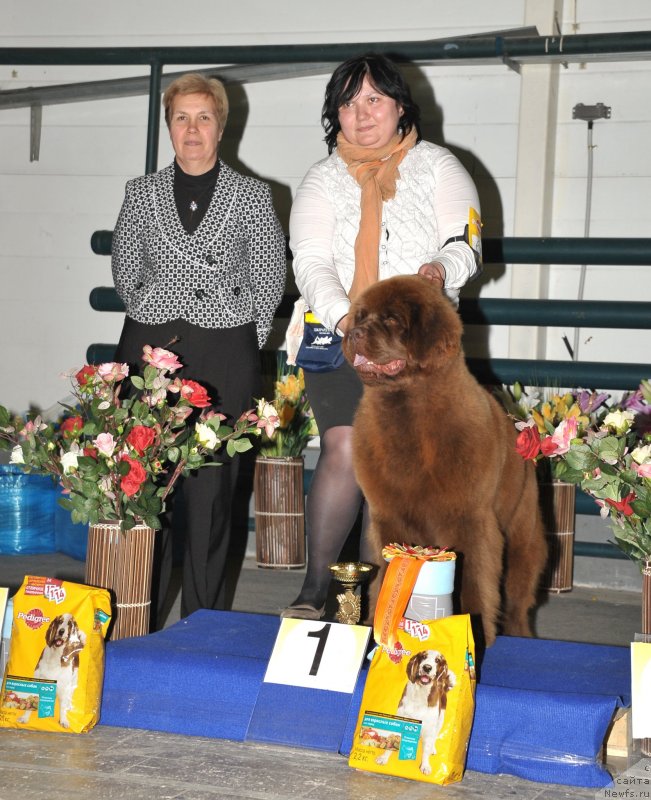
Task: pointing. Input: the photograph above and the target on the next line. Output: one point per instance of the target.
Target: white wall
(50, 208)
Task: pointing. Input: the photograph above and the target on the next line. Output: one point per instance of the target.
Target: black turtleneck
(192, 194)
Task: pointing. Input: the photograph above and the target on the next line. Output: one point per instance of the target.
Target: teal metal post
(153, 124)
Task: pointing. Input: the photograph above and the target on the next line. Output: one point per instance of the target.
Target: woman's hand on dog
(433, 271)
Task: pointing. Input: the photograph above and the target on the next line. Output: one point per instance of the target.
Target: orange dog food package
(53, 679)
(418, 702)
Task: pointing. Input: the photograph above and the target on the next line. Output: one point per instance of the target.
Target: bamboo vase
(121, 561)
(279, 512)
(558, 505)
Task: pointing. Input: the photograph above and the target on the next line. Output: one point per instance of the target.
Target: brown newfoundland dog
(435, 453)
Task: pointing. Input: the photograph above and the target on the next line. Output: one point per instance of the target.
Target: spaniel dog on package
(425, 699)
(434, 453)
(59, 662)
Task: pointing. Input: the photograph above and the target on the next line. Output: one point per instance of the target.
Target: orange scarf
(376, 171)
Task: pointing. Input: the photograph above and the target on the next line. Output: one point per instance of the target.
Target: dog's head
(64, 633)
(429, 668)
(400, 328)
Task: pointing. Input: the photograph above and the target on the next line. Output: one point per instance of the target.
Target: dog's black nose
(427, 668)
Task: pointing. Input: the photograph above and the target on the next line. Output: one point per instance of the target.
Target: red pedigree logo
(34, 618)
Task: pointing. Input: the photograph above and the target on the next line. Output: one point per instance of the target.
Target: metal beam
(463, 49)
(134, 87)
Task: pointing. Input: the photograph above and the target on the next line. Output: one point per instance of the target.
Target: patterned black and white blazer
(229, 272)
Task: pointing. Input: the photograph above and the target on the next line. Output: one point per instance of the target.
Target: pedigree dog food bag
(53, 679)
(419, 699)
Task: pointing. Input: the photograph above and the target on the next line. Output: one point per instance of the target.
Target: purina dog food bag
(419, 699)
(53, 679)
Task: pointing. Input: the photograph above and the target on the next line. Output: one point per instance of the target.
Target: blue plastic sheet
(26, 512)
(70, 539)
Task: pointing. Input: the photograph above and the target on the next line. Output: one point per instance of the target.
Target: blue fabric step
(542, 707)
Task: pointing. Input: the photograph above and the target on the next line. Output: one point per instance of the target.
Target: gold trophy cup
(350, 574)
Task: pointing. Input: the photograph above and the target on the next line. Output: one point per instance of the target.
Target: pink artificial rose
(105, 444)
(643, 470)
(113, 371)
(564, 434)
(161, 359)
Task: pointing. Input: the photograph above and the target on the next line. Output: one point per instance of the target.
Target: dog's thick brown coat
(435, 455)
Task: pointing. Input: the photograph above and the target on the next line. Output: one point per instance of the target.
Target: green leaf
(610, 448)
(581, 459)
(138, 382)
(173, 454)
(241, 445)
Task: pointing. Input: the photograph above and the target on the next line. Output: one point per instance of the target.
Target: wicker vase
(121, 561)
(279, 512)
(558, 504)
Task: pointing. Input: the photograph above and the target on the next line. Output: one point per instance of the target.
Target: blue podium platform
(542, 707)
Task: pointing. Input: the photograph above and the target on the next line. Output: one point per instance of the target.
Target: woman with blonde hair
(199, 261)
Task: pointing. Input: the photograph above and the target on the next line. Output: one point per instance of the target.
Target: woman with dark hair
(383, 203)
(199, 260)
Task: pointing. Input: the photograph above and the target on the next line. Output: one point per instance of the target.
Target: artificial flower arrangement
(609, 457)
(547, 424)
(296, 424)
(119, 451)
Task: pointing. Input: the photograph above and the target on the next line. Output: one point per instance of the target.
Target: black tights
(333, 504)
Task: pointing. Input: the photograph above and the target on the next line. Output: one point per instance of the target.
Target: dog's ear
(50, 636)
(436, 329)
(412, 667)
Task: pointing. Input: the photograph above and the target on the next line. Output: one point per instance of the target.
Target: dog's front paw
(425, 767)
(383, 758)
(24, 719)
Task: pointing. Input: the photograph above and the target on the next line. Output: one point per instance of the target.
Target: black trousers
(227, 362)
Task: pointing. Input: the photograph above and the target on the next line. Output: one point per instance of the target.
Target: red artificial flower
(195, 394)
(133, 480)
(140, 438)
(71, 427)
(85, 374)
(623, 506)
(528, 443)
(548, 446)
(91, 452)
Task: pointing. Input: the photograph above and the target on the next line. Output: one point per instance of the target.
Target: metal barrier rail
(508, 311)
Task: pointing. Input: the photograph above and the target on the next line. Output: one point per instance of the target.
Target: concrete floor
(119, 763)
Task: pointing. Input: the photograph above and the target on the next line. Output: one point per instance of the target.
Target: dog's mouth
(424, 680)
(364, 365)
(59, 642)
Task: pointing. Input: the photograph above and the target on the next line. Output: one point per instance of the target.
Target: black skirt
(334, 396)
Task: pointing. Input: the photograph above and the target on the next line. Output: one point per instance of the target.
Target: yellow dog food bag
(53, 679)
(419, 698)
(418, 703)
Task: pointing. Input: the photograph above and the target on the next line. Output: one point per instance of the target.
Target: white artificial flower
(642, 454)
(206, 436)
(17, 456)
(69, 462)
(619, 420)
